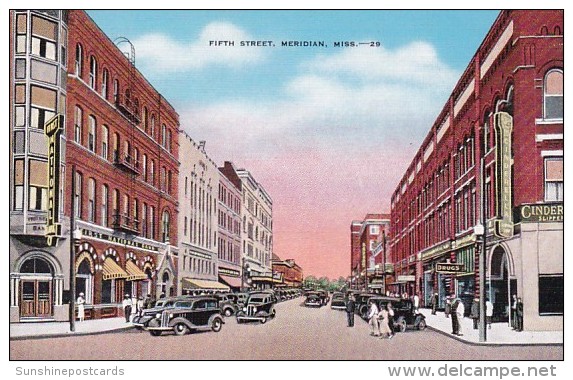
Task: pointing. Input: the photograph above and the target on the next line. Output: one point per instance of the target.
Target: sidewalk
(499, 334)
(36, 330)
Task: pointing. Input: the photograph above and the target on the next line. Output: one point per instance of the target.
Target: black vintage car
(260, 306)
(324, 296)
(338, 302)
(203, 313)
(313, 299)
(238, 299)
(362, 303)
(404, 314)
(228, 307)
(141, 321)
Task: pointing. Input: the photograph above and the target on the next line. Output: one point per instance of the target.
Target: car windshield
(257, 299)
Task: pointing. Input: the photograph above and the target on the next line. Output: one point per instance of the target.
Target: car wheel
(422, 325)
(273, 313)
(180, 329)
(228, 312)
(217, 324)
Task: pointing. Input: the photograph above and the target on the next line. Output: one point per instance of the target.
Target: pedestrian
(134, 305)
(126, 307)
(453, 307)
(460, 311)
(488, 312)
(474, 312)
(448, 307)
(140, 306)
(519, 312)
(387, 320)
(416, 301)
(514, 312)
(383, 322)
(434, 302)
(350, 306)
(373, 319)
(81, 310)
(148, 302)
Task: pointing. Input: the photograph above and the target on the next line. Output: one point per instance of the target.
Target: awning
(234, 282)
(192, 283)
(111, 270)
(134, 273)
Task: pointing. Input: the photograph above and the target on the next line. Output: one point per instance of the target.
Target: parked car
(238, 299)
(324, 296)
(404, 313)
(338, 302)
(203, 313)
(362, 303)
(260, 306)
(226, 304)
(141, 321)
(313, 299)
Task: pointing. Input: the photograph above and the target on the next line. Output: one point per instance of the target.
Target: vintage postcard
(305, 185)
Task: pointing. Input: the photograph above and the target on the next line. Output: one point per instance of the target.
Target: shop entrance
(501, 285)
(36, 288)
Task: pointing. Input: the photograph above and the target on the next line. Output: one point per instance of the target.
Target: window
(144, 167)
(104, 196)
(136, 213)
(144, 221)
(92, 134)
(104, 141)
(553, 95)
(152, 172)
(163, 135)
(44, 38)
(116, 143)
(145, 119)
(115, 90)
(185, 227)
(91, 200)
(38, 185)
(165, 227)
(152, 127)
(554, 179)
(78, 196)
(551, 293)
(78, 125)
(152, 222)
(93, 72)
(104, 79)
(79, 60)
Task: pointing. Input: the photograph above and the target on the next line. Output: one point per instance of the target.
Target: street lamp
(479, 231)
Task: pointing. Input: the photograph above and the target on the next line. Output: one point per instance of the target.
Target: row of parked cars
(405, 315)
(188, 313)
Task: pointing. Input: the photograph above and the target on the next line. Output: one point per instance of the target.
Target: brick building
(111, 156)
(367, 247)
(287, 273)
(501, 130)
(229, 217)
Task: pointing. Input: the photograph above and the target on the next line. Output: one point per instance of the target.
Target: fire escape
(127, 219)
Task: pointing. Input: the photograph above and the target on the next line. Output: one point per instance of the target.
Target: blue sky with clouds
(328, 131)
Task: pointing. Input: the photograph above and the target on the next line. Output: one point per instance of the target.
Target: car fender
(185, 321)
(211, 318)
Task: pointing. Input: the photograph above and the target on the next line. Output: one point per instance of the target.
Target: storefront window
(551, 294)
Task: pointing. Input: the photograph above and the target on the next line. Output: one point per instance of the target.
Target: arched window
(79, 60)
(78, 125)
(152, 127)
(553, 95)
(36, 265)
(487, 135)
(145, 119)
(92, 133)
(115, 91)
(104, 80)
(93, 72)
(91, 200)
(165, 225)
(509, 101)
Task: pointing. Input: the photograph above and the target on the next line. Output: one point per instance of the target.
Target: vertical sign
(364, 256)
(503, 226)
(53, 129)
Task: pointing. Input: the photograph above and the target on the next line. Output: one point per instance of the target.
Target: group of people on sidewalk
(130, 305)
(381, 321)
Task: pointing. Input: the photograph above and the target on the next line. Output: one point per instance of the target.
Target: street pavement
(499, 334)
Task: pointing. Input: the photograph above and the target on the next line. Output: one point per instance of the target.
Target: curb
(70, 334)
(492, 344)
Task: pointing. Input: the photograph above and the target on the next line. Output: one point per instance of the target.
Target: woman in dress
(383, 318)
(80, 302)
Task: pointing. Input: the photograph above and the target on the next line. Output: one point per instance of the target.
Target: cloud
(163, 54)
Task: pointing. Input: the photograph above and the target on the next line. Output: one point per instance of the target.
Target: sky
(327, 131)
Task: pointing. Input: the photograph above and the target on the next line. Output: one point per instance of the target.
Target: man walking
(453, 307)
(474, 312)
(373, 319)
(434, 303)
(126, 307)
(350, 305)
(460, 311)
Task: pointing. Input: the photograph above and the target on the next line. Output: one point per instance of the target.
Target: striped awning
(134, 273)
(193, 283)
(235, 282)
(112, 271)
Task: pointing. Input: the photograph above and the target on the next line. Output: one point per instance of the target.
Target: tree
(310, 282)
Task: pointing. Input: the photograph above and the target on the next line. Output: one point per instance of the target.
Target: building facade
(369, 253)
(198, 228)
(229, 223)
(494, 156)
(94, 147)
(287, 273)
(257, 232)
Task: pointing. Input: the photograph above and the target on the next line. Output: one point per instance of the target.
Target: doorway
(36, 290)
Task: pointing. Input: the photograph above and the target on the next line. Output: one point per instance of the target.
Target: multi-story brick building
(367, 239)
(111, 156)
(199, 179)
(257, 231)
(229, 223)
(501, 130)
(287, 273)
